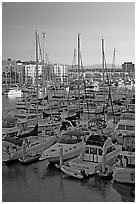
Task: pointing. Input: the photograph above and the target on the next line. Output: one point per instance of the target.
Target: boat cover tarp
(95, 140)
(46, 115)
(73, 117)
(15, 140)
(34, 132)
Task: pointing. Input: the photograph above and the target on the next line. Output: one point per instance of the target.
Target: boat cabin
(96, 147)
(72, 137)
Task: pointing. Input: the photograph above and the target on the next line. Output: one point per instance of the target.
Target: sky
(62, 21)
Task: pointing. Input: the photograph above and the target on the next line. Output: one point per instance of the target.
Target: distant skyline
(62, 21)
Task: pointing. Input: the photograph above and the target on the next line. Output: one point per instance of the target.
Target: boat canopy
(71, 139)
(96, 139)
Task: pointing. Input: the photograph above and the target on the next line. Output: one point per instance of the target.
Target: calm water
(38, 183)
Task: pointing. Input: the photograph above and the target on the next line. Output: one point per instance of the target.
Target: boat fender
(132, 175)
(84, 174)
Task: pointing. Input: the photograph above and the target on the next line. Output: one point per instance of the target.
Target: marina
(68, 129)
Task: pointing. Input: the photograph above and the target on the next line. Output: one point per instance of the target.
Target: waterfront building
(60, 72)
(30, 72)
(12, 71)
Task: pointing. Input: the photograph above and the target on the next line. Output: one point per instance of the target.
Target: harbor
(68, 129)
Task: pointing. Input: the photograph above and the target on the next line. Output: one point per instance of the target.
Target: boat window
(100, 152)
(93, 151)
(72, 140)
(65, 139)
(121, 127)
(129, 127)
(87, 150)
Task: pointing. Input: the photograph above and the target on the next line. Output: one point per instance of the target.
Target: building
(12, 71)
(60, 72)
(30, 72)
(128, 67)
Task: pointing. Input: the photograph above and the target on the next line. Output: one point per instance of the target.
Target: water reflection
(126, 191)
(40, 182)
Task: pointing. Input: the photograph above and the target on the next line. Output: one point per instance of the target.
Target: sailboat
(12, 148)
(98, 155)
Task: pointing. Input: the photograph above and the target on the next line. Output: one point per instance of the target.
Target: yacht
(72, 142)
(99, 153)
(124, 169)
(14, 91)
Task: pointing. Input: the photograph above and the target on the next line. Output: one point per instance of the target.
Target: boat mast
(84, 83)
(6, 76)
(79, 71)
(15, 76)
(43, 90)
(109, 93)
(103, 77)
(37, 61)
(71, 74)
(10, 76)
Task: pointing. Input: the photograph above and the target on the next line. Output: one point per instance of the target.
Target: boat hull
(14, 155)
(72, 172)
(29, 159)
(124, 175)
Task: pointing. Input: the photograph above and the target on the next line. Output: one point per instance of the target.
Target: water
(39, 183)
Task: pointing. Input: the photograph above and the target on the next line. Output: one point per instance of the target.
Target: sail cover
(34, 132)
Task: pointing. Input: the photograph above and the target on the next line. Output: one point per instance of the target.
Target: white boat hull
(16, 153)
(14, 92)
(71, 172)
(52, 154)
(124, 175)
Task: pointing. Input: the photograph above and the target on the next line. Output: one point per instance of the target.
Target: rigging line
(85, 96)
(103, 56)
(39, 48)
(113, 61)
(73, 65)
(109, 93)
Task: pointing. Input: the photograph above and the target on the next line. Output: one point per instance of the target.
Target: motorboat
(97, 156)
(29, 159)
(14, 91)
(124, 169)
(72, 142)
